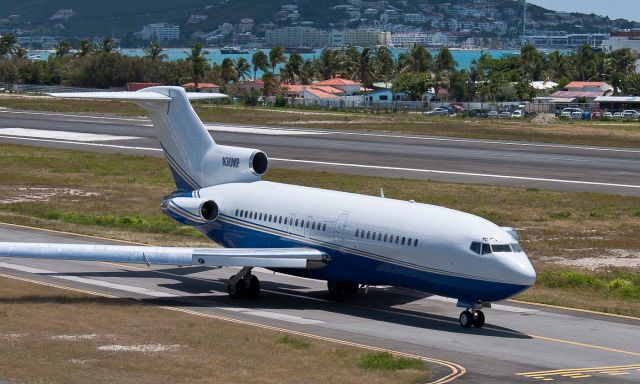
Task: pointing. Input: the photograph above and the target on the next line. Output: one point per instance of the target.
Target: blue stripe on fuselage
(346, 266)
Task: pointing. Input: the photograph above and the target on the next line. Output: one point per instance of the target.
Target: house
(382, 96)
(589, 86)
(202, 87)
(618, 103)
(347, 86)
(132, 87)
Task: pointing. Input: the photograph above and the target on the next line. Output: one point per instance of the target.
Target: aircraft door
(339, 228)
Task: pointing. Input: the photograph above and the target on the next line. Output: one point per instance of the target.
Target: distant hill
(120, 17)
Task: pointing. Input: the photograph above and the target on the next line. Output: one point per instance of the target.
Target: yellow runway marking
(457, 370)
(586, 345)
(127, 266)
(573, 309)
(581, 373)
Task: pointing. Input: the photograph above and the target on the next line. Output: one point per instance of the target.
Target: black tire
(351, 288)
(254, 287)
(478, 319)
(335, 288)
(237, 290)
(466, 319)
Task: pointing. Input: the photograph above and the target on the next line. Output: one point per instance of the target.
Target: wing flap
(135, 96)
(305, 258)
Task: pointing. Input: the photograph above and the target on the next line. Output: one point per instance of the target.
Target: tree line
(413, 72)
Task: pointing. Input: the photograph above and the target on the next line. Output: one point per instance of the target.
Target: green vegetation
(385, 361)
(60, 332)
(294, 342)
(566, 234)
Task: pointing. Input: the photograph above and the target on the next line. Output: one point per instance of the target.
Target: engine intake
(191, 208)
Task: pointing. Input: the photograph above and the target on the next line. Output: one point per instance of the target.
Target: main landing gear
(473, 318)
(339, 288)
(244, 285)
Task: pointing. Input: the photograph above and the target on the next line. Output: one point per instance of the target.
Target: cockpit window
(515, 247)
(500, 248)
(475, 247)
(486, 249)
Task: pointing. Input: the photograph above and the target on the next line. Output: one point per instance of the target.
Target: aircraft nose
(523, 271)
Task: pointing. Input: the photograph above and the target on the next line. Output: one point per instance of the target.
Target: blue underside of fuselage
(349, 267)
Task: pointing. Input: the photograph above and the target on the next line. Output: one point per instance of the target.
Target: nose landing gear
(470, 319)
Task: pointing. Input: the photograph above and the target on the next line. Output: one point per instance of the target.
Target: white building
(160, 32)
(417, 18)
(623, 39)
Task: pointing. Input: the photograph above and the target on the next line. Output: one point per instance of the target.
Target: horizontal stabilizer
(231, 257)
(134, 96)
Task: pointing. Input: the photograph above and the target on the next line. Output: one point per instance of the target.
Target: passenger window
(260, 216)
(296, 223)
(385, 237)
(379, 236)
(486, 249)
(368, 234)
(280, 220)
(357, 232)
(415, 242)
(301, 223)
(285, 221)
(270, 218)
(373, 237)
(324, 227)
(403, 240)
(307, 225)
(236, 212)
(362, 234)
(391, 238)
(409, 241)
(397, 239)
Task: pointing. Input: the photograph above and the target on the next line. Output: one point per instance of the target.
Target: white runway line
(261, 130)
(379, 167)
(62, 135)
(272, 315)
(84, 280)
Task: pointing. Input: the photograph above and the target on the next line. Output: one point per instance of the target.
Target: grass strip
(69, 337)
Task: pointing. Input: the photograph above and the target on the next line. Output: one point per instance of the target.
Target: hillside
(81, 18)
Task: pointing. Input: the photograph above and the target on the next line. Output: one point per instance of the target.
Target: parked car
(568, 112)
(618, 115)
(607, 115)
(517, 114)
(631, 114)
(438, 112)
(505, 114)
(493, 114)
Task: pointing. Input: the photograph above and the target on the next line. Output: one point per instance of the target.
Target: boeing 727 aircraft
(350, 240)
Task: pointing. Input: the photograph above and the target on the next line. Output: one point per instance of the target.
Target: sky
(627, 9)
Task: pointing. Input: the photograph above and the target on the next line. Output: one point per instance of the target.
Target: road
(535, 165)
(520, 343)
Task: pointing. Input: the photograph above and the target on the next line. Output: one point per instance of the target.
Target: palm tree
(307, 72)
(291, 70)
(243, 68)
(417, 60)
(107, 45)
(63, 48)
(327, 64)
(154, 52)
(86, 48)
(270, 83)
(364, 68)
(260, 61)
(198, 63)
(444, 61)
(276, 56)
(557, 67)
(228, 71)
(384, 64)
(532, 62)
(584, 61)
(8, 43)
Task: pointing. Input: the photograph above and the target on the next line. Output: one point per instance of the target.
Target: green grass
(385, 361)
(617, 284)
(293, 342)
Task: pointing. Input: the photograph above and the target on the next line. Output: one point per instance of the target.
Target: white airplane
(350, 240)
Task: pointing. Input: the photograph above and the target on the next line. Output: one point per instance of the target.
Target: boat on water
(233, 51)
(291, 50)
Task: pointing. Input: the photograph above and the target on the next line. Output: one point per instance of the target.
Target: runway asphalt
(536, 165)
(520, 344)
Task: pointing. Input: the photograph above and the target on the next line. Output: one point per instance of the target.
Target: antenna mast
(524, 21)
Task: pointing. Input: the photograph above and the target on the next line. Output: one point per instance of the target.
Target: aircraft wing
(308, 258)
(135, 96)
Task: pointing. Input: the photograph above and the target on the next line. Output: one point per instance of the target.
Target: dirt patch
(144, 348)
(41, 194)
(544, 118)
(90, 336)
(617, 258)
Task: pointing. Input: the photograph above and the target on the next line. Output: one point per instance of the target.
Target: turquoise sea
(462, 57)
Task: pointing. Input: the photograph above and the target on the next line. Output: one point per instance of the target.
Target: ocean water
(464, 58)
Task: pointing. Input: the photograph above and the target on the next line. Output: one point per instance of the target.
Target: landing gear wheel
(339, 288)
(254, 288)
(478, 319)
(466, 319)
(237, 290)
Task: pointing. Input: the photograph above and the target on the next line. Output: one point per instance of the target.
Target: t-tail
(195, 160)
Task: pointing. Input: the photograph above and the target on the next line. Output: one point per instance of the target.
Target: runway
(535, 165)
(521, 343)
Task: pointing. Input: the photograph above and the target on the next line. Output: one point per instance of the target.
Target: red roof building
(202, 87)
